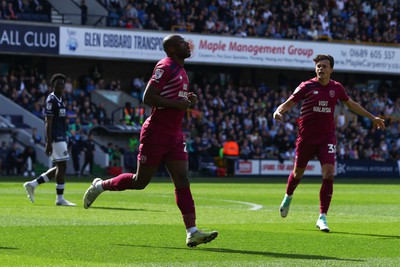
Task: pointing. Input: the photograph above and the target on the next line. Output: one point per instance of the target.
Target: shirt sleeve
(160, 77)
(50, 107)
(298, 93)
(343, 94)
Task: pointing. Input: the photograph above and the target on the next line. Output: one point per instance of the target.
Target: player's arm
(152, 97)
(358, 109)
(283, 108)
(48, 122)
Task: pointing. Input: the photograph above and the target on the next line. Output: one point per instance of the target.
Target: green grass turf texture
(145, 228)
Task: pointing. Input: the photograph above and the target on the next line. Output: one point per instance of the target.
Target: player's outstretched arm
(282, 109)
(358, 109)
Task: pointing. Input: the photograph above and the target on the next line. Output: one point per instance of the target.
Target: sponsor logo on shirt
(158, 73)
(322, 107)
(182, 94)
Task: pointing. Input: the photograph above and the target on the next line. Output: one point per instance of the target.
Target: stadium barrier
(343, 168)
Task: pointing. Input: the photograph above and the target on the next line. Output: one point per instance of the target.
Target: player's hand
(49, 149)
(278, 116)
(379, 123)
(184, 104)
(192, 97)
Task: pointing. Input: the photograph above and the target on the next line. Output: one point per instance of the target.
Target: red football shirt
(318, 107)
(164, 126)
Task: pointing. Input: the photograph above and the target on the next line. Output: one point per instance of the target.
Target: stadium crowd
(240, 111)
(349, 20)
(341, 20)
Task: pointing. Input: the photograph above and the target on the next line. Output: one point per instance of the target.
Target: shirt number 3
(331, 148)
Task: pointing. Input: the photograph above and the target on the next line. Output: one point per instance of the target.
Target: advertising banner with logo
(223, 50)
(367, 169)
(19, 38)
(111, 43)
(344, 168)
(273, 167)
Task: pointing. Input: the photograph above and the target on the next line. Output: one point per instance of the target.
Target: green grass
(145, 228)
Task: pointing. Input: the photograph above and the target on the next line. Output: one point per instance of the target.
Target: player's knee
(139, 185)
(329, 176)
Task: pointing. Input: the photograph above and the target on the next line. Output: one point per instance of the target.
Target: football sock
(325, 195)
(99, 186)
(191, 230)
(291, 184)
(40, 180)
(184, 200)
(60, 191)
(119, 183)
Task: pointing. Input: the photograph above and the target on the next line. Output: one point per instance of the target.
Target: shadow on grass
(359, 234)
(125, 209)
(250, 252)
(7, 248)
(372, 235)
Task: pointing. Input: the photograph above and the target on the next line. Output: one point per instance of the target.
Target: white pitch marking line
(252, 205)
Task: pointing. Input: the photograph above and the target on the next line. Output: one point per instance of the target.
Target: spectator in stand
(11, 13)
(88, 149)
(35, 6)
(75, 146)
(29, 161)
(4, 150)
(20, 6)
(36, 138)
(116, 156)
(101, 114)
(14, 160)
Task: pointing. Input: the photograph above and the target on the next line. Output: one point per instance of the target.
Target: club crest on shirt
(49, 106)
(332, 93)
(158, 73)
(143, 159)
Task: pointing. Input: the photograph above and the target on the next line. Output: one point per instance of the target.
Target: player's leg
(304, 153)
(326, 155)
(60, 156)
(43, 178)
(325, 195)
(60, 184)
(145, 171)
(177, 166)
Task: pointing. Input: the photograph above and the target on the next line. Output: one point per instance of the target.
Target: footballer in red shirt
(316, 134)
(161, 138)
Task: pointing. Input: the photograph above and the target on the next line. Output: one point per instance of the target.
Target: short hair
(168, 41)
(319, 58)
(55, 77)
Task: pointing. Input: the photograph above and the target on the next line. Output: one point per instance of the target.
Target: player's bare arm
(152, 97)
(356, 108)
(282, 109)
(49, 140)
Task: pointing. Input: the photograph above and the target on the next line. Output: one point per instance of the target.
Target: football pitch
(145, 228)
